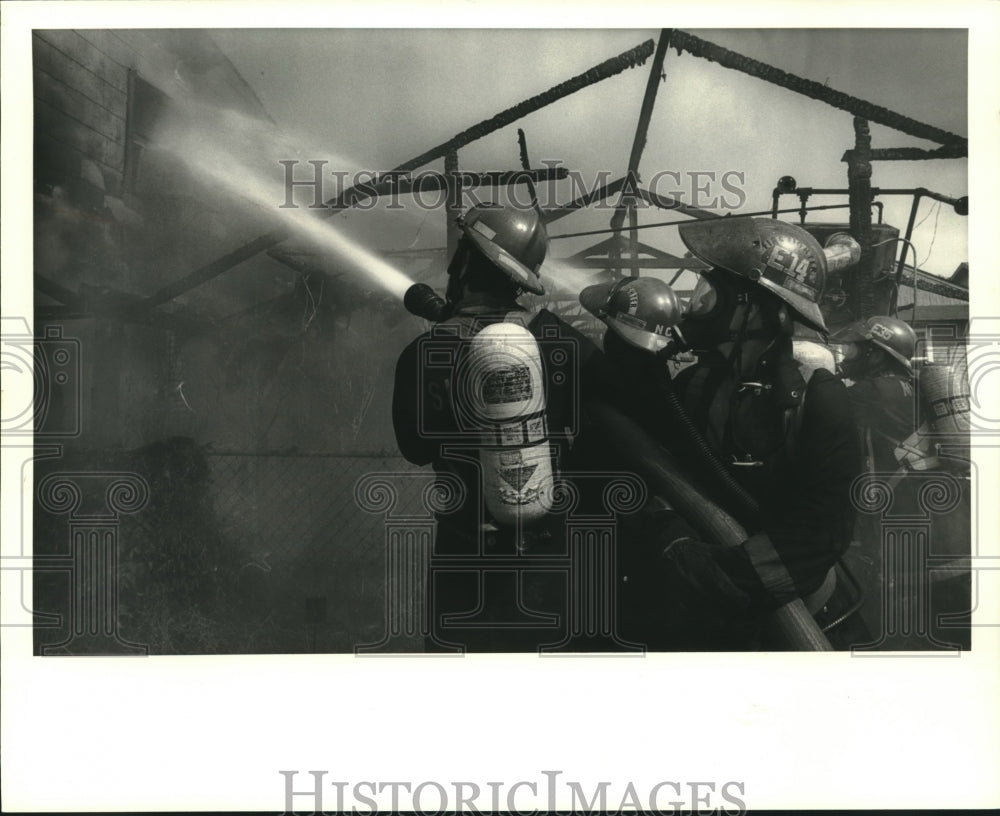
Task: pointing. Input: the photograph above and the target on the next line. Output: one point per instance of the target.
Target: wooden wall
(88, 221)
(81, 95)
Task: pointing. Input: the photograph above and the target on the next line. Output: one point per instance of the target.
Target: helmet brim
(524, 277)
(723, 243)
(895, 355)
(805, 309)
(849, 334)
(640, 338)
(720, 242)
(594, 298)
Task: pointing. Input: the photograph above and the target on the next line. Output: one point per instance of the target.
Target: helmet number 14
(788, 262)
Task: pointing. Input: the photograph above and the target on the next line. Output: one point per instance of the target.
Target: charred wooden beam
(609, 243)
(169, 321)
(931, 283)
(434, 183)
(656, 75)
(522, 144)
(452, 209)
(698, 47)
(948, 151)
(597, 194)
(859, 185)
(57, 291)
(305, 263)
(599, 248)
(638, 143)
(670, 203)
(608, 68)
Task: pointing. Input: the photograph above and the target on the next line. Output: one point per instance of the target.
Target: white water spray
(559, 276)
(193, 137)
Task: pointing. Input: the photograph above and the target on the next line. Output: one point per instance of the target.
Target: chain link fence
(236, 552)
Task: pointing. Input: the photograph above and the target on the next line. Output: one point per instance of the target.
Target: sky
(371, 99)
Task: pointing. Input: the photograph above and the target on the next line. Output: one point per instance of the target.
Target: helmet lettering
(881, 331)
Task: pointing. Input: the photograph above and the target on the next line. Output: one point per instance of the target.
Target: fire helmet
(639, 310)
(781, 257)
(514, 240)
(888, 333)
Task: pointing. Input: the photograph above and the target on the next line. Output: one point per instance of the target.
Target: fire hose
(790, 627)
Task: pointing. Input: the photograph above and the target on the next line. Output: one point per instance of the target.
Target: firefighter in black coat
(877, 360)
(497, 259)
(772, 441)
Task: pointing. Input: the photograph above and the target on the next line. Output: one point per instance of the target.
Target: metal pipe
(909, 235)
(876, 191)
(686, 221)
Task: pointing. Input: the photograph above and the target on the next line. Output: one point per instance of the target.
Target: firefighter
(877, 355)
(777, 450)
(445, 386)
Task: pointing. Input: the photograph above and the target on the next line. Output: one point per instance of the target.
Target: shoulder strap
(793, 419)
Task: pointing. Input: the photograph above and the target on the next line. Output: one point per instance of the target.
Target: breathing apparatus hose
(790, 626)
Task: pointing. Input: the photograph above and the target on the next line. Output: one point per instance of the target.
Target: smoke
(236, 153)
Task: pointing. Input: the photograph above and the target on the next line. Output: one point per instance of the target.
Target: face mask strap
(618, 284)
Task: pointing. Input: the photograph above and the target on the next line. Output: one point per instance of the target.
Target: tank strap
(520, 317)
(793, 420)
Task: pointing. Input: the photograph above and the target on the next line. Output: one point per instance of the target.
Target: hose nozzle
(422, 301)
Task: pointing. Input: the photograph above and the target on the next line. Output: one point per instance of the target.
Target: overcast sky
(374, 98)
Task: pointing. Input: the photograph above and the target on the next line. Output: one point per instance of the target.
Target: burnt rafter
(927, 282)
(670, 203)
(698, 47)
(597, 194)
(599, 256)
(949, 151)
(436, 183)
(656, 75)
(609, 68)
